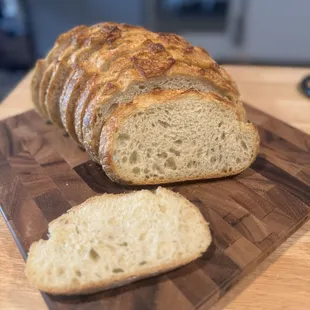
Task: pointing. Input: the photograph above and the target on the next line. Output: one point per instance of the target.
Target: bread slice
(68, 100)
(84, 97)
(112, 240)
(170, 136)
(43, 87)
(35, 85)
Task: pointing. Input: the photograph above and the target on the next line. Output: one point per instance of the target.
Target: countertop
(282, 281)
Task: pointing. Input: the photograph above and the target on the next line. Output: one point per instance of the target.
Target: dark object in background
(184, 15)
(305, 86)
(15, 42)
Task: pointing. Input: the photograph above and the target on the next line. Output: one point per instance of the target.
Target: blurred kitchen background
(272, 32)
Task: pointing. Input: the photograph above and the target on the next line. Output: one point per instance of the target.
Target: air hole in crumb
(179, 141)
(136, 170)
(60, 271)
(162, 208)
(133, 157)
(220, 124)
(124, 159)
(157, 168)
(191, 164)
(213, 159)
(170, 163)
(238, 160)
(77, 230)
(98, 275)
(162, 155)
(66, 221)
(146, 170)
(220, 159)
(175, 152)
(142, 236)
(123, 137)
(123, 244)
(229, 169)
(94, 255)
(223, 135)
(212, 150)
(142, 263)
(164, 124)
(117, 270)
(244, 146)
(78, 273)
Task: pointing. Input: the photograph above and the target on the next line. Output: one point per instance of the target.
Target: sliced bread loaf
(169, 136)
(112, 240)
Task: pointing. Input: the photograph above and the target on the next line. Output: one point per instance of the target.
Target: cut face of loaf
(111, 240)
(101, 106)
(170, 136)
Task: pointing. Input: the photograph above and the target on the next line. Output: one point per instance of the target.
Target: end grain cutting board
(43, 173)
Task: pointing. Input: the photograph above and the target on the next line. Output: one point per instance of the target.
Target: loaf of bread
(111, 240)
(93, 73)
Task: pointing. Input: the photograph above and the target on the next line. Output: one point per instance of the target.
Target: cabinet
(272, 31)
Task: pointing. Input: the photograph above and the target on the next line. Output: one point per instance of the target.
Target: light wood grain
(281, 281)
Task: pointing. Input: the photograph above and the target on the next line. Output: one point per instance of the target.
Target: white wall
(278, 29)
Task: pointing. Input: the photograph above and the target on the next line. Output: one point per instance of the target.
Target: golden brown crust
(82, 39)
(35, 84)
(42, 64)
(139, 104)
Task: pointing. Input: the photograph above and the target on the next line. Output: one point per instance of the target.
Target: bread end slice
(171, 135)
(111, 240)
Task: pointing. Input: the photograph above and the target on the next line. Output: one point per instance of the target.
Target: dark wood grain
(44, 173)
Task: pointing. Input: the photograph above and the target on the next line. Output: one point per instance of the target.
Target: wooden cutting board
(43, 173)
